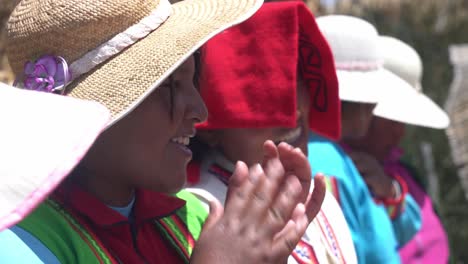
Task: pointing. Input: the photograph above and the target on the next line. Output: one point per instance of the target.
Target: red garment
(249, 72)
(113, 229)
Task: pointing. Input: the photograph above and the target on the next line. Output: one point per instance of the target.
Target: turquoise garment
(376, 237)
(18, 246)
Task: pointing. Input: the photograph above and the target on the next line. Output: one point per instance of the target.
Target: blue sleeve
(371, 228)
(408, 223)
(18, 246)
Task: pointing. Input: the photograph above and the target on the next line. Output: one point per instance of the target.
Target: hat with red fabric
(249, 72)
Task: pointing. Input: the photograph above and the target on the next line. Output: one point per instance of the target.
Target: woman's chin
(178, 181)
(171, 183)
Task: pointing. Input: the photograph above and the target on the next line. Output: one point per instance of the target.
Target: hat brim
(124, 81)
(43, 137)
(367, 86)
(414, 108)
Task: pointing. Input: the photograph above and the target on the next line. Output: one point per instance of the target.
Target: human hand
(295, 163)
(263, 219)
(379, 183)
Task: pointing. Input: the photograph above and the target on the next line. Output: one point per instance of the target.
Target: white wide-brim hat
(358, 59)
(43, 137)
(408, 104)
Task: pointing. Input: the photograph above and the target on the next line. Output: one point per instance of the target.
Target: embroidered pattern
(87, 237)
(329, 234)
(332, 186)
(177, 233)
(311, 62)
(304, 253)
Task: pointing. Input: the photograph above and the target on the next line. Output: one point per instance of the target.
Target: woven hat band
(121, 41)
(68, 28)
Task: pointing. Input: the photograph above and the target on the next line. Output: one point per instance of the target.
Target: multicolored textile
(265, 54)
(376, 237)
(430, 244)
(327, 239)
(73, 227)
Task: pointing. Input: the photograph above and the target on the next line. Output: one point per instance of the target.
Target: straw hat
(113, 52)
(358, 59)
(412, 107)
(34, 160)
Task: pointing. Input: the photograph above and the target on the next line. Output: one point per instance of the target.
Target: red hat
(248, 77)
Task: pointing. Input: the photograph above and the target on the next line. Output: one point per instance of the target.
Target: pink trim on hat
(56, 176)
(359, 65)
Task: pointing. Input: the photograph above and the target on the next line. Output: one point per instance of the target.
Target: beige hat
(408, 105)
(358, 58)
(111, 51)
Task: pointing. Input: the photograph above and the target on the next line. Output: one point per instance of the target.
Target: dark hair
(198, 67)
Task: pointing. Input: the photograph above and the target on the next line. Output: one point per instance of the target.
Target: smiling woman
(136, 58)
(147, 152)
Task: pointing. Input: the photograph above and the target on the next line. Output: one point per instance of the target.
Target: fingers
(317, 196)
(259, 198)
(270, 151)
(293, 159)
(239, 189)
(287, 239)
(281, 210)
(262, 202)
(216, 212)
(270, 177)
(296, 163)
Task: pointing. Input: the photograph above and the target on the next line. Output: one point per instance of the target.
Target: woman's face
(383, 136)
(355, 119)
(246, 144)
(148, 148)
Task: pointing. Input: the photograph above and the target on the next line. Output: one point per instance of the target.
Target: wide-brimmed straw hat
(111, 51)
(358, 58)
(43, 137)
(410, 105)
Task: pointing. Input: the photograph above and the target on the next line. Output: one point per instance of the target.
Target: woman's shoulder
(18, 246)
(324, 149)
(194, 213)
(28, 241)
(55, 235)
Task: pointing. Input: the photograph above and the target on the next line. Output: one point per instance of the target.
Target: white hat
(42, 138)
(358, 59)
(410, 106)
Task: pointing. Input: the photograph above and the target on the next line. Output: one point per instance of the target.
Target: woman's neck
(107, 189)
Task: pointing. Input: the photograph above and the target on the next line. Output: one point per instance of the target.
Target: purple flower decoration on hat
(46, 74)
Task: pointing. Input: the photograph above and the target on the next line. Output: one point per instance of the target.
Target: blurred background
(437, 30)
